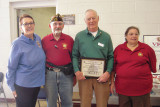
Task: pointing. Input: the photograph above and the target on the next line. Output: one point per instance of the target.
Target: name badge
(39, 45)
(100, 44)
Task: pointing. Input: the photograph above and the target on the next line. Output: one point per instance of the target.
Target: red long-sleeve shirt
(133, 69)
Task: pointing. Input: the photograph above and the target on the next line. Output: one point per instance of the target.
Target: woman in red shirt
(133, 63)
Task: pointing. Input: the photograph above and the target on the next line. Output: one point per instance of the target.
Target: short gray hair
(90, 10)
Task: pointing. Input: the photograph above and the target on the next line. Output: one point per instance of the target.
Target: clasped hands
(103, 78)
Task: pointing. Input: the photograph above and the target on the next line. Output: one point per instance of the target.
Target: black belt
(53, 69)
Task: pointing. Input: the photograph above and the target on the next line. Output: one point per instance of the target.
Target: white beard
(58, 31)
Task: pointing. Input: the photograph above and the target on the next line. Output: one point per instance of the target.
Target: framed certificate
(92, 67)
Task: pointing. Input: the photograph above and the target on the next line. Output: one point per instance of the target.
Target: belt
(53, 69)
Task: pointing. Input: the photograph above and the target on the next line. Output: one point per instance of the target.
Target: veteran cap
(57, 17)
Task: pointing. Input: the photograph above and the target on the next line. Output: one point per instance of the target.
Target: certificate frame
(92, 67)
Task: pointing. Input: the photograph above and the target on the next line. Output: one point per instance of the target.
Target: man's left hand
(104, 77)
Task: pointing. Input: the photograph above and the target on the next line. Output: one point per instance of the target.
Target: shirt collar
(98, 33)
(61, 37)
(137, 49)
(28, 40)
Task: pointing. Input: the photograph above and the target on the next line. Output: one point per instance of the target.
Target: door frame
(15, 4)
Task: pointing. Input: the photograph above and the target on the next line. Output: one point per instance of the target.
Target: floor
(155, 102)
(42, 104)
(13, 104)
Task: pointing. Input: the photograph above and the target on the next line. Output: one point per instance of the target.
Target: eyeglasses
(92, 18)
(27, 24)
(131, 34)
(55, 24)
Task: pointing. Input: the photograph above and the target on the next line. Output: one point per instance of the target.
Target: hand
(74, 81)
(79, 75)
(104, 77)
(112, 88)
(14, 94)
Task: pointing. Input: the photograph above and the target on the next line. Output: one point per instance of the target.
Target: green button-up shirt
(86, 45)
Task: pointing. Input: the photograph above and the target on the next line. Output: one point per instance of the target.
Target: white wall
(5, 38)
(115, 17)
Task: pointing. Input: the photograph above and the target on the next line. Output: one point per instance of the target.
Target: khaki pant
(134, 101)
(101, 90)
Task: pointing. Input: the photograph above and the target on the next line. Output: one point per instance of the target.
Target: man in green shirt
(93, 43)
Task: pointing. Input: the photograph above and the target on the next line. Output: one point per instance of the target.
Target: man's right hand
(79, 75)
(14, 94)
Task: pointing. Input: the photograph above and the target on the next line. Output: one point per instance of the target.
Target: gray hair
(91, 10)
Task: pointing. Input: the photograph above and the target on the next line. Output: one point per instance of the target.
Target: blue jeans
(59, 83)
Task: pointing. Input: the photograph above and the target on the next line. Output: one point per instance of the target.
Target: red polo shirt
(58, 52)
(133, 69)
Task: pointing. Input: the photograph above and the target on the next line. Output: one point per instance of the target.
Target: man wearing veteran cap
(59, 73)
(93, 45)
